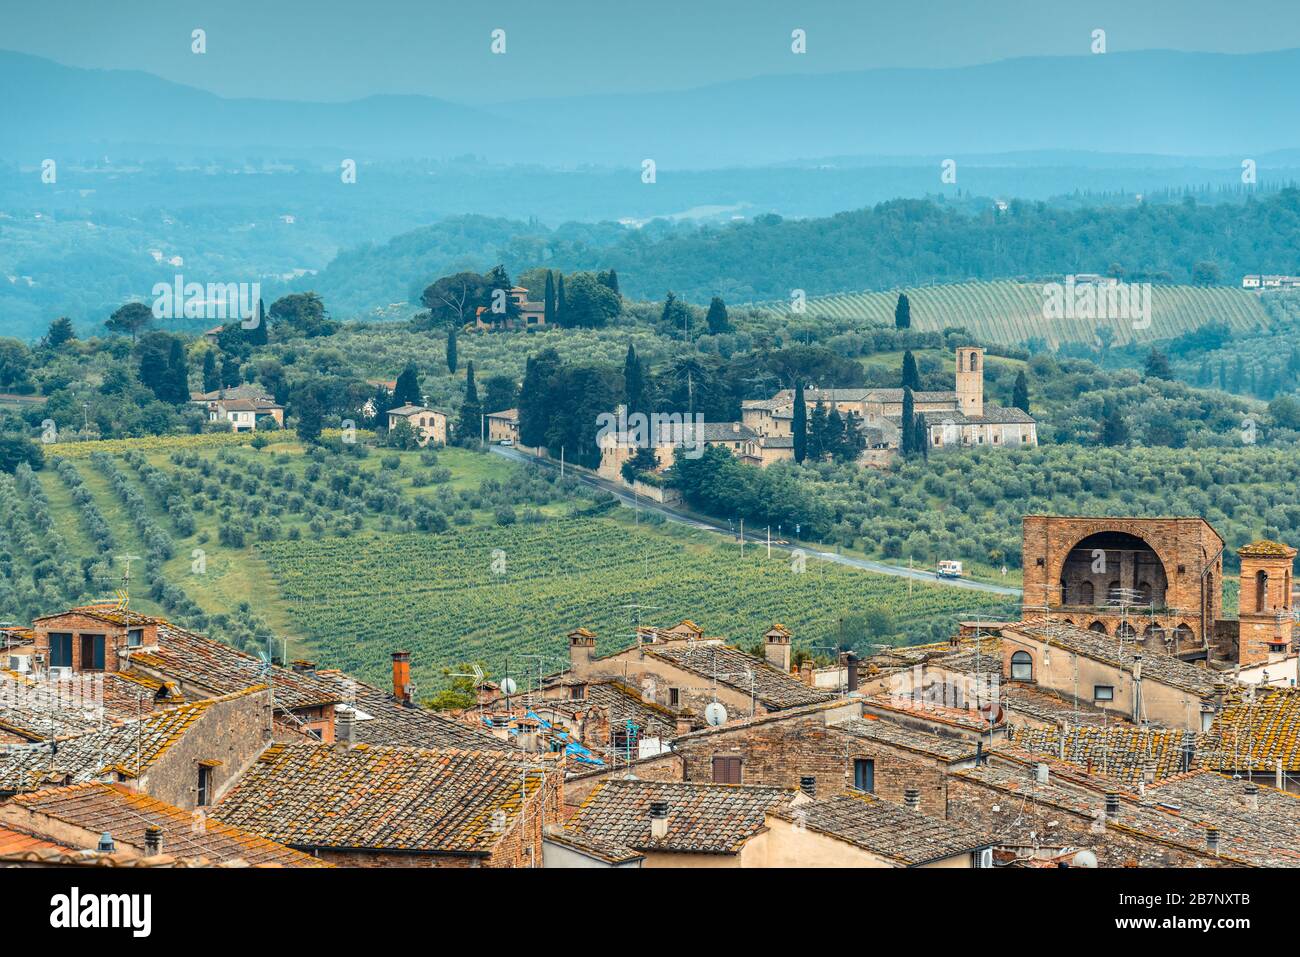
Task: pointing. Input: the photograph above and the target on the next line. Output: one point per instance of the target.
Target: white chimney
(658, 820)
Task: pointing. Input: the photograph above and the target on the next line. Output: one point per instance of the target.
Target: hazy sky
(342, 49)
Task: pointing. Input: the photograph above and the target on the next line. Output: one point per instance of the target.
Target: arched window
(1144, 593)
(1125, 630)
(1097, 627)
(1022, 666)
(1112, 591)
(974, 361)
(1085, 593)
(1261, 590)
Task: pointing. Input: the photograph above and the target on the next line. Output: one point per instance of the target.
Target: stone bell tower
(970, 380)
(1264, 605)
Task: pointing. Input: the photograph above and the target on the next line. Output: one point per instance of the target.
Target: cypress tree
(903, 312)
(471, 426)
(211, 380)
(1020, 392)
(717, 318)
(548, 300)
(451, 348)
(407, 391)
(920, 436)
(799, 425)
(911, 375)
(178, 375)
(560, 307)
(633, 381)
(257, 335)
(907, 440)
(611, 280)
(309, 416)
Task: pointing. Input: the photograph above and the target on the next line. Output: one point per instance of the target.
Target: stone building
(1136, 577)
(428, 425)
(1159, 581)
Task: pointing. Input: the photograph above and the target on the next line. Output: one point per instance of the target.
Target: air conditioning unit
(60, 673)
(20, 663)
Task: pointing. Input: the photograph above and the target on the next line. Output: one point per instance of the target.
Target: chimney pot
(1042, 774)
(808, 785)
(1212, 839)
(912, 798)
(346, 728)
(153, 836)
(106, 845)
(1112, 804)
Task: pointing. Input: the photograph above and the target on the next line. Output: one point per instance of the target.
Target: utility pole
(742, 538)
(769, 541)
(561, 461)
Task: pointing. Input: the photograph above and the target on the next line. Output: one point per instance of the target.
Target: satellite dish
(508, 686)
(715, 714)
(1085, 859)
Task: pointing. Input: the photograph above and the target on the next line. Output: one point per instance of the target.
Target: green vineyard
(488, 593)
(1011, 313)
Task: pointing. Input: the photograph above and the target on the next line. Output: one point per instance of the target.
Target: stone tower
(1264, 606)
(970, 380)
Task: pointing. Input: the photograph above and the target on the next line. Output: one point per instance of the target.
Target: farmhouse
(245, 407)
(530, 316)
(428, 425)
(503, 426)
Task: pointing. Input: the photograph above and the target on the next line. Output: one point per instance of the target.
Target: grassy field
(1010, 313)
(332, 560)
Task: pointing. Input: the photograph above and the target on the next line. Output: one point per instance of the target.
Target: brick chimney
(685, 721)
(776, 647)
(402, 676)
(582, 648)
(153, 837)
(806, 672)
(912, 798)
(849, 661)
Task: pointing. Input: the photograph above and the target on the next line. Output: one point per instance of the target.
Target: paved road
(721, 528)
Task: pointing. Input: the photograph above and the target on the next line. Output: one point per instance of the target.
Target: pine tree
(471, 426)
(1020, 392)
(548, 300)
(1157, 365)
(907, 423)
(717, 318)
(903, 312)
(451, 349)
(211, 380)
(633, 381)
(799, 423)
(911, 375)
(60, 332)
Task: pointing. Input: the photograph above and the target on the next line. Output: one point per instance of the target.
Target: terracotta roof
(106, 612)
(898, 833)
(245, 391)
(125, 814)
(702, 818)
(993, 415)
(14, 841)
(732, 667)
(32, 707)
(382, 719)
(128, 749)
(217, 668)
(410, 800)
(409, 410)
(1266, 549)
(940, 746)
(510, 415)
(1121, 752)
(1261, 829)
(1254, 731)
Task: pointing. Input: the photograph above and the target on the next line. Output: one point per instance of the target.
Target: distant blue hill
(1158, 102)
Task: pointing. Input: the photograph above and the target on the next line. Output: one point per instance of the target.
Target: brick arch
(1167, 556)
(1098, 626)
